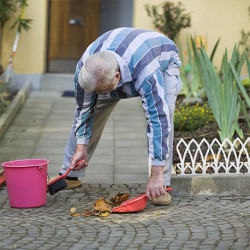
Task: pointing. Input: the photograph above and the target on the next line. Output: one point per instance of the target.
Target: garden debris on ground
(209, 169)
(102, 207)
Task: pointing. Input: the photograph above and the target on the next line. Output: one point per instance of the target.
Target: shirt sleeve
(157, 114)
(84, 113)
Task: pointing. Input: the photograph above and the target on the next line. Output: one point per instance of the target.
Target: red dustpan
(135, 204)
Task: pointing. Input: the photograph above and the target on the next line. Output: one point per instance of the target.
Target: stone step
(59, 82)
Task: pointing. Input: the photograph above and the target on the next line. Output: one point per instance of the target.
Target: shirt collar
(124, 70)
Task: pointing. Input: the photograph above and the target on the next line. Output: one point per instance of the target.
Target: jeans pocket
(179, 86)
(172, 83)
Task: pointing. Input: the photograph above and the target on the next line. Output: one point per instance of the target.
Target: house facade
(62, 29)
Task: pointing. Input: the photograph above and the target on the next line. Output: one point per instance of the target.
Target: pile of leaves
(102, 207)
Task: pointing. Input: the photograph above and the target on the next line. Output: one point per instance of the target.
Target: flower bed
(197, 146)
(5, 101)
(10, 112)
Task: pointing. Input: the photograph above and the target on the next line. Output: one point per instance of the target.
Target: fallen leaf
(75, 214)
(102, 205)
(88, 213)
(72, 210)
(211, 158)
(105, 214)
(119, 198)
(102, 214)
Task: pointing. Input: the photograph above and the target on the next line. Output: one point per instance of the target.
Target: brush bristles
(57, 186)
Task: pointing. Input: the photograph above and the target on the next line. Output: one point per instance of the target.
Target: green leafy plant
(237, 78)
(242, 89)
(191, 73)
(7, 9)
(189, 118)
(222, 95)
(246, 82)
(169, 18)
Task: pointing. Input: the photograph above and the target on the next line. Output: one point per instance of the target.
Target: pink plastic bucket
(26, 182)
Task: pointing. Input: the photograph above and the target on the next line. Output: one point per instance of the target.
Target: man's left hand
(155, 183)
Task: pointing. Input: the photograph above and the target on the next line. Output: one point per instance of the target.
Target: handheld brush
(59, 183)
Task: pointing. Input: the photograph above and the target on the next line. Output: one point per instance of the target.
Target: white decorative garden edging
(211, 158)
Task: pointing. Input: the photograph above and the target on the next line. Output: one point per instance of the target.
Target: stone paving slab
(188, 223)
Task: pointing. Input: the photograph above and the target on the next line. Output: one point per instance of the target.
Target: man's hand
(80, 155)
(155, 183)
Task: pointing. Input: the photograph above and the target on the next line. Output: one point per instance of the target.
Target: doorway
(74, 24)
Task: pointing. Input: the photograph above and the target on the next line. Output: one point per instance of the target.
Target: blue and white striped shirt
(142, 56)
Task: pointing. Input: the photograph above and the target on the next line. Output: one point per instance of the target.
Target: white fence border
(234, 159)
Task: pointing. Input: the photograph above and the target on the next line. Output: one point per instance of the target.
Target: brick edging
(211, 185)
(11, 111)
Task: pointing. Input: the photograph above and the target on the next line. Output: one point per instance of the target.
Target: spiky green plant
(222, 96)
(191, 73)
(242, 89)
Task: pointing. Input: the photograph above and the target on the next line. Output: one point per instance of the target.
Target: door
(73, 25)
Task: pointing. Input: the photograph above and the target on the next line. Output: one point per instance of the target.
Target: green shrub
(188, 118)
(246, 83)
(169, 18)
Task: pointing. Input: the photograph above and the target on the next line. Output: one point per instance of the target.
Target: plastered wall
(211, 19)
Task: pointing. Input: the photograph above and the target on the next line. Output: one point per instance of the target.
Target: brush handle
(66, 173)
(69, 169)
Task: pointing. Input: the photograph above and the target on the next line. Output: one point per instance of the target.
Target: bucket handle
(41, 167)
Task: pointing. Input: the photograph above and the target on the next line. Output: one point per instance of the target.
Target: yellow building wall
(212, 19)
(31, 52)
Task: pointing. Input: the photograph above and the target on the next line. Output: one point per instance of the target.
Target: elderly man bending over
(124, 63)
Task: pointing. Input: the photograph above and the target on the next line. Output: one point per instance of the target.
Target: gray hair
(100, 67)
